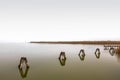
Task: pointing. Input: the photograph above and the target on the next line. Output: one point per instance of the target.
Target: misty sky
(58, 20)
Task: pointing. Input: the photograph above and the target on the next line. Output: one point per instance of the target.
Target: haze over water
(44, 63)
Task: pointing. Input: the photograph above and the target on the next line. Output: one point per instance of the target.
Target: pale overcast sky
(59, 20)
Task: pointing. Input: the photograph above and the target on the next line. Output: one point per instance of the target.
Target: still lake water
(45, 65)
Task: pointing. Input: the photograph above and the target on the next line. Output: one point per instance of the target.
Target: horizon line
(78, 42)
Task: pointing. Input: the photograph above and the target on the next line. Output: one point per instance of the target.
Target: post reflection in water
(23, 73)
(62, 58)
(81, 55)
(112, 51)
(23, 67)
(97, 53)
(117, 53)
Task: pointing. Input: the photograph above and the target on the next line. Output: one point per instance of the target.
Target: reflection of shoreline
(78, 42)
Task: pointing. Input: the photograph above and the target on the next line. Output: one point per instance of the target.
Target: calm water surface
(45, 65)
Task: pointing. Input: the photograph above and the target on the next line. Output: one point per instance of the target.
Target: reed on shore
(78, 42)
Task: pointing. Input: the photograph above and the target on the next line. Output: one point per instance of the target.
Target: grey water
(45, 65)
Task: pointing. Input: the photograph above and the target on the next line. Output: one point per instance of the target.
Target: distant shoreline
(78, 42)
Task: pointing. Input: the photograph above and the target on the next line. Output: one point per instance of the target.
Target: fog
(59, 20)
